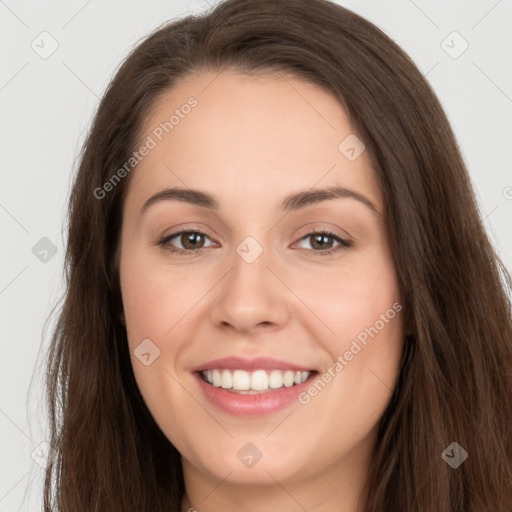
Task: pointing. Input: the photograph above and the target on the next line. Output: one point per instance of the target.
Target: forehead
(249, 136)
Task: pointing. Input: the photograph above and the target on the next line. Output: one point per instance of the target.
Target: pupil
(190, 238)
(321, 240)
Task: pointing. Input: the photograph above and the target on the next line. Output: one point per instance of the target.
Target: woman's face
(258, 287)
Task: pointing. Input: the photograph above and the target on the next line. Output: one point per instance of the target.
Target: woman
(280, 295)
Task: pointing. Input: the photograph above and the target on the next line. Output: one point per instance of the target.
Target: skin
(250, 141)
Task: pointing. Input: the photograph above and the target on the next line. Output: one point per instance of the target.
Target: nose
(251, 298)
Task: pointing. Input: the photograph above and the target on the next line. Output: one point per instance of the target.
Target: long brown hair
(456, 374)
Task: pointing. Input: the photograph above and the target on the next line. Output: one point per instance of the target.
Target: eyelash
(344, 243)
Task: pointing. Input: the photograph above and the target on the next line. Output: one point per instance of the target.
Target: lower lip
(252, 405)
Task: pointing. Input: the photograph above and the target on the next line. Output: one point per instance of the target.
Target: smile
(258, 381)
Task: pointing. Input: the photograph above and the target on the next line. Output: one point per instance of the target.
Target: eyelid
(320, 227)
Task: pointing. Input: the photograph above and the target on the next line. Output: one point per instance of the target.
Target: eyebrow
(294, 201)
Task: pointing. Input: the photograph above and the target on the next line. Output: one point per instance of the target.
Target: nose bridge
(249, 263)
(250, 294)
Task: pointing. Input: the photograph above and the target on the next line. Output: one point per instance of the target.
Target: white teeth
(226, 379)
(241, 380)
(288, 379)
(259, 380)
(216, 378)
(275, 380)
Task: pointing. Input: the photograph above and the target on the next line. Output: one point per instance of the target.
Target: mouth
(252, 387)
(255, 382)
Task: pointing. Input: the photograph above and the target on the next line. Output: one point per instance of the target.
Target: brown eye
(190, 241)
(322, 242)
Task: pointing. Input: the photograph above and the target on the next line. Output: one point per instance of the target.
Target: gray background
(47, 105)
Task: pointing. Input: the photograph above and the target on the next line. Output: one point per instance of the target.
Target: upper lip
(257, 363)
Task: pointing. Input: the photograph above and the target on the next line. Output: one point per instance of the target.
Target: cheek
(156, 296)
(156, 300)
(152, 306)
(353, 297)
(362, 307)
